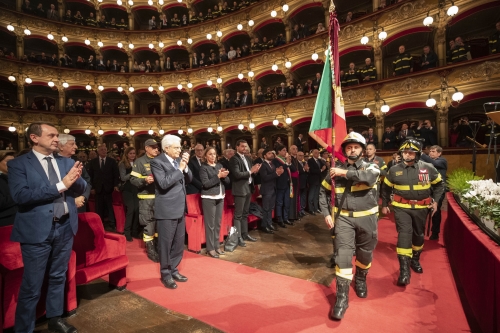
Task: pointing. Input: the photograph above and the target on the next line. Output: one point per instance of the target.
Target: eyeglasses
(176, 148)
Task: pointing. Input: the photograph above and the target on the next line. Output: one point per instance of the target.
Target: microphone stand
(474, 148)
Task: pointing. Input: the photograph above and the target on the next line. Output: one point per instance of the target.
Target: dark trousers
(355, 234)
(303, 199)
(50, 257)
(240, 221)
(147, 219)
(282, 204)
(103, 205)
(313, 198)
(131, 202)
(268, 201)
(171, 235)
(436, 219)
(212, 215)
(410, 224)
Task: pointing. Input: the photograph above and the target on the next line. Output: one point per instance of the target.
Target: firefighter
(403, 64)
(414, 187)
(370, 157)
(142, 177)
(356, 216)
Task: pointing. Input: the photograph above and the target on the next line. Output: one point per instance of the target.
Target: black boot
(360, 280)
(415, 262)
(151, 251)
(404, 270)
(331, 263)
(342, 302)
(156, 248)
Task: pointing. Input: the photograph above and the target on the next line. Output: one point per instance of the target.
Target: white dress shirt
(171, 160)
(246, 165)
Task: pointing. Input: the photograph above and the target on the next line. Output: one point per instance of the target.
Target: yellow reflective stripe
(417, 248)
(348, 213)
(146, 196)
(137, 175)
(437, 180)
(147, 238)
(360, 187)
(156, 234)
(360, 265)
(402, 205)
(326, 185)
(404, 252)
(383, 167)
(388, 182)
(346, 273)
(417, 187)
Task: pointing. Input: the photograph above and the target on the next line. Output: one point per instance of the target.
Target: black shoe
(170, 283)
(179, 277)
(404, 270)
(267, 230)
(312, 213)
(250, 238)
(59, 325)
(288, 222)
(434, 236)
(137, 236)
(151, 251)
(342, 302)
(360, 282)
(212, 254)
(272, 227)
(318, 211)
(415, 262)
(241, 242)
(129, 238)
(302, 214)
(220, 252)
(281, 224)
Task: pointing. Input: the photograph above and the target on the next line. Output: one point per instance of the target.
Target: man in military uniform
(413, 186)
(351, 77)
(91, 147)
(370, 157)
(494, 40)
(142, 177)
(459, 52)
(123, 107)
(256, 47)
(356, 216)
(90, 21)
(268, 96)
(403, 63)
(369, 72)
(122, 25)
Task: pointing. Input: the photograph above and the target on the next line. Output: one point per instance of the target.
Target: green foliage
(458, 178)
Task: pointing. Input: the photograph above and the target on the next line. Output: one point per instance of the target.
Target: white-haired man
(67, 148)
(171, 173)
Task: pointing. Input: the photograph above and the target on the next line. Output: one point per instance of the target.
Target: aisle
(238, 298)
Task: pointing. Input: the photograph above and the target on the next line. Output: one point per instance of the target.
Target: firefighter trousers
(410, 225)
(146, 218)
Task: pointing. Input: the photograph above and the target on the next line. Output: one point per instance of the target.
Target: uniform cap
(150, 142)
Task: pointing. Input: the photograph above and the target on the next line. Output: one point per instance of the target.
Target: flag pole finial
(332, 7)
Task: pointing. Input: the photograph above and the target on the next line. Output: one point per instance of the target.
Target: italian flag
(328, 125)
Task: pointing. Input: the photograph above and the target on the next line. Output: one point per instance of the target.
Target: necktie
(54, 179)
(102, 163)
(248, 169)
(176, 165)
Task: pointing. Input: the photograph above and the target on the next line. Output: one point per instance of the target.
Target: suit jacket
(374, 139)
(239, 176)
(152, 24)
(392, 137)
(298, 143)
(195, 185)
(8, 208)
(170, 189)
(88, 180)
(409, 133)
(268, 176)
(31, 190)
(303, 175)
(211, 183)
(248, 100)
(283, 181)
(106, 179)
(314, 177)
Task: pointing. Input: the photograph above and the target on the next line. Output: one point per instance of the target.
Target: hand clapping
(184, 161)
(223, 173)
(73, 174)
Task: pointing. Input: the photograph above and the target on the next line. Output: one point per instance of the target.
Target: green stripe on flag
(322, 116)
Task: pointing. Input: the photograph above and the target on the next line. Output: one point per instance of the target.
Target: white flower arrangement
(484, 195)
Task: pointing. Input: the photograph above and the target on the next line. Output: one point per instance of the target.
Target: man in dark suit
(299, 142)
(428, 133)
(389, 139)
(171, 173)
(316, 166)
(246, 99)
(104, 173)
(194, 166)
(371, 137)
(240, 172)
(44, 185)
(259, 160)
(67, 147)
(404, 133)
(227, 154)
(268, 174)
(283, 182)
(303, 175)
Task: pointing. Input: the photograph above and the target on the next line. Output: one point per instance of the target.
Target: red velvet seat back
(193, 202)
(89, 243)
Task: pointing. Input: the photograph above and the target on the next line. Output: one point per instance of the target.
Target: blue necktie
(176, 165)
(54, 179)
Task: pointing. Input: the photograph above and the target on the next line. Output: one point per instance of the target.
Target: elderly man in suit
(268, 174)
(240, 172)
(299, 142)
(105, 175)
(44, 185)
(194, 165)
(67, 147)
(246, 99)
(316, 166)
(171, 173)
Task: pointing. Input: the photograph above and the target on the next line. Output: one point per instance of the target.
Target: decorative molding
(481, 71)
(408, 85)
(406, 11)
(351, 31)
(352, 96)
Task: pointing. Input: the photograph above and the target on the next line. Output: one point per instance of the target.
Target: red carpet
(237, 298)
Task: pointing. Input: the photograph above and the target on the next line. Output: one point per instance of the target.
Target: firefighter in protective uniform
(142, 177)
(414, 187)
(356, 216)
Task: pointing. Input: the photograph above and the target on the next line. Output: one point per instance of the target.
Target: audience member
(316, 167)
(194, 165)
(389, 139)
(268, 174)
(129, 193)
(429, 58)
(8, 208)
(403, 64)
(460, 51)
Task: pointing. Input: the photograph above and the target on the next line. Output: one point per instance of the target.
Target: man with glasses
(142, 177)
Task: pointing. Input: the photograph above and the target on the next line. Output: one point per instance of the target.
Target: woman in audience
(142, 67)
(87, 108)
(149, 68)
(321, 28)
(8, 207)
(213, 179)
(79, 106)
(70, 106)
(260, 95)
(135, 67)
(171, 108)
(33, 106)
(129, 193)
